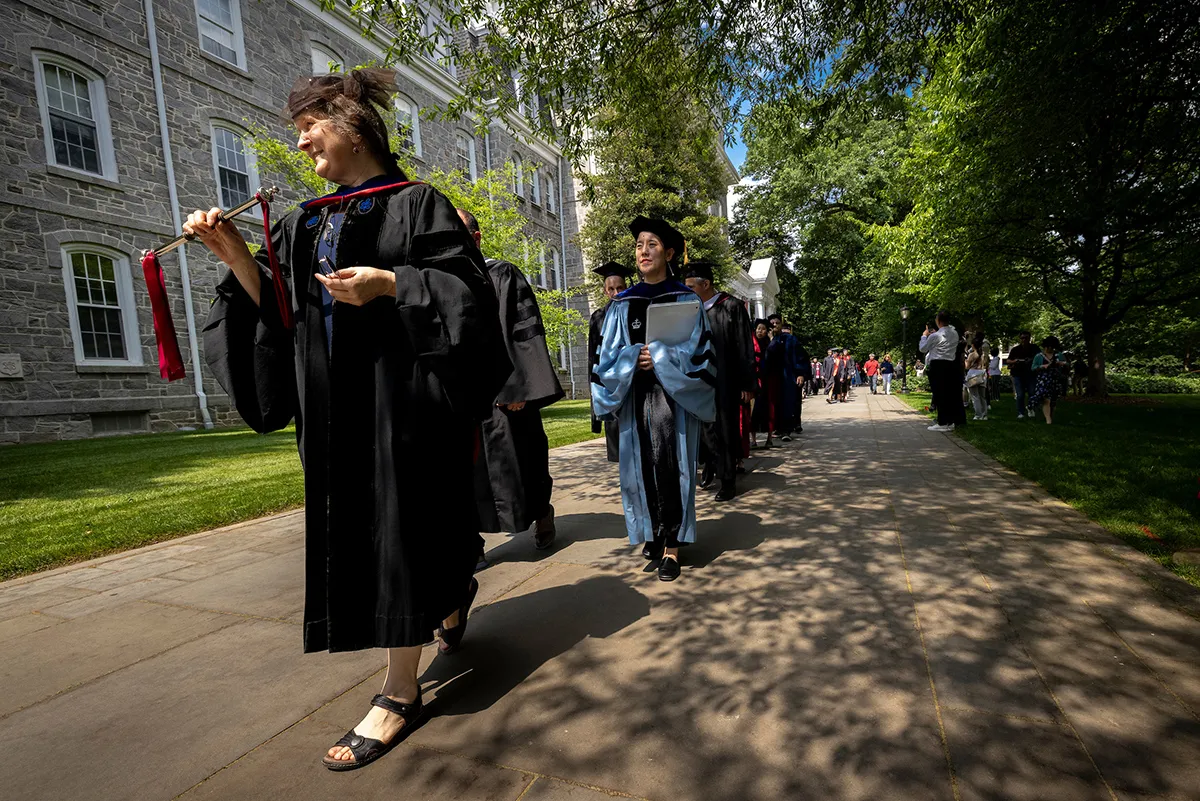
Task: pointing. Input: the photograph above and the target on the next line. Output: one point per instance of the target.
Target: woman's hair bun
(370, 85)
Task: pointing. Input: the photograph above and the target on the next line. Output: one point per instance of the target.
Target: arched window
(100, 300)
(408, 120)
(325, 60)
(551, 202)
(74, 108)
(542, 280)
(555, 269)
(518, 176)
(464, 153)
(233, 166)
(535, 185)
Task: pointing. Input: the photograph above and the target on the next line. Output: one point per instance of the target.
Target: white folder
(671, 323)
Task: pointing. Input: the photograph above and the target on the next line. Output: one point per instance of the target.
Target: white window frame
(518, 90)
(327, 55)
(470, 151)
(541, 277)
(518, 176)
(535, 184)
(99, 100)
(551, 199)
(239, 40)
(556, 268)
(129, 321)
(251, 161)
(405, 104)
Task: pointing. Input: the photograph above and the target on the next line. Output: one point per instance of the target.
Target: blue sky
(737, 153)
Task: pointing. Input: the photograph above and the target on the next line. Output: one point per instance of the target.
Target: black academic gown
(512, 481)
(733, 347)
(386, 414)
(612, 432)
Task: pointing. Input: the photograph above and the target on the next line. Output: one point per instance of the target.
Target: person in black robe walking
(616, 280)
(733, 350)
(394, 358)
(512, 480)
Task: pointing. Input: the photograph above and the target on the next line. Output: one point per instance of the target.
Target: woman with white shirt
(945, 374)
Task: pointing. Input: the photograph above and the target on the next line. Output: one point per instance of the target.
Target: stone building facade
(87, 185)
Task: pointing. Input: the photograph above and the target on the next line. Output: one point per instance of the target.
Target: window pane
(217, 41)
(219, 11)
(463, 154)
(235, 188)
(100, 330)
(233, 171)
(74, 144)
(98, 305)
(67, 92)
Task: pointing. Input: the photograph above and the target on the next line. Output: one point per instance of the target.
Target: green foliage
(489, 197)
(1057, 159)
(668, 166)
(1143, 384)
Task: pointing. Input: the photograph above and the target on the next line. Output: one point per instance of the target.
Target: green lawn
(66, 501)
(1132, 465)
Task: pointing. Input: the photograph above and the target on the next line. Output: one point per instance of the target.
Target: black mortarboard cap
(700, 268)
(670, 237)
(611, 268)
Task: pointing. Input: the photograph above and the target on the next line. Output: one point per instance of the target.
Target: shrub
(1142, 384)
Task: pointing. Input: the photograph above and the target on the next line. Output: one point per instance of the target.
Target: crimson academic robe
(512, 480)
(386, 411)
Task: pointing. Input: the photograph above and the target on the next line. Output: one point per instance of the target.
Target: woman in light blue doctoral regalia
(658, 394)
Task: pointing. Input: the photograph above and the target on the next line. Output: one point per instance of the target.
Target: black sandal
(365, 749)
(452, 637)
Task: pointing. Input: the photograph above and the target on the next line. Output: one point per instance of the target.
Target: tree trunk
(1093, 338)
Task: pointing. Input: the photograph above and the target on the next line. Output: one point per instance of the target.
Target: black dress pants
(945, 383)
(655, 412)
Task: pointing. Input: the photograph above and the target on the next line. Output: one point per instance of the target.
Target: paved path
(882, 614)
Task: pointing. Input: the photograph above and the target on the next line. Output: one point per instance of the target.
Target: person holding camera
(945, 373)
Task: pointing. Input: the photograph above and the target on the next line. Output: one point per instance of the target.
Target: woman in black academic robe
(394, 356)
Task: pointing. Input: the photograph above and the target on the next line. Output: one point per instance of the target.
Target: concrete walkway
(884, 613)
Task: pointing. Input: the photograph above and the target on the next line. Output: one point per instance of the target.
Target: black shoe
(653, 550)
(726, 492)
(543, 537)
(707, 477)
(786, 438)
(452, 637)
(668, 569)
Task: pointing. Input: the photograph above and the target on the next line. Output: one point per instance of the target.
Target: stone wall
(44, 207)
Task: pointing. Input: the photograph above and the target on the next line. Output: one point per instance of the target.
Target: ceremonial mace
(170, 362)
(263, 196)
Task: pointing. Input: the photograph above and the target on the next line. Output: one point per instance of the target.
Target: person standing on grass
(512, 475)
(976, 362)
(616, 280)
(993, 376)
(660, 393)
(394, 358)
(1020, 367)
(1050, 369)
(871, 368)
(887, 370)
(945, 376)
